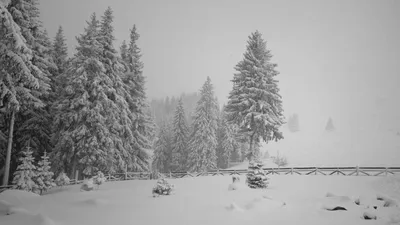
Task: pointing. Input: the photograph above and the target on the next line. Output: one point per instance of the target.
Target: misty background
(336, 59)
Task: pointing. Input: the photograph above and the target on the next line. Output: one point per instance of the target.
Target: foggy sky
(335, 58)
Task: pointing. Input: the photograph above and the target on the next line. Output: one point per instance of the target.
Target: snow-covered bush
(44, 178)
(87, 185)
(256, 177)
(99, 179)
(162, 188)
(235, 181)
(25, 175)
(62, 180)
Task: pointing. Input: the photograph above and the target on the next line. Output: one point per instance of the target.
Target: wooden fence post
(126, 172)
(76, 176)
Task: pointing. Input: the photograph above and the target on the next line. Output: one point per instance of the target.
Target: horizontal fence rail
(324, 171)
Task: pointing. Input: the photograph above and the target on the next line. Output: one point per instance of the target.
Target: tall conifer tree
(134, 83)
(22, 81)
(180, 138)
(254, 102)
(203, 142)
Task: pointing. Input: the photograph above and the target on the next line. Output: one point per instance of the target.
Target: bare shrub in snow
(280, 160)
(99, 179)
(162, 188)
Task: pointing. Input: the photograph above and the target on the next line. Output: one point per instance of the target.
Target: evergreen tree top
(106, 28)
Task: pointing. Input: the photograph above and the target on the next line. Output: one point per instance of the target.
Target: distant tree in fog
(280, 160)
(329, 126)
(293, 123)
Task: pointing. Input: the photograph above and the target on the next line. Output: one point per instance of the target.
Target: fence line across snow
(325, 171)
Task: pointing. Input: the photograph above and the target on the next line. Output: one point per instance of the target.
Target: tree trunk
(73, 166)
(251, 148)
(9, 146)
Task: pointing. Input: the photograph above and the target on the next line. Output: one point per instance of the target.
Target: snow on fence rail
(326, 171)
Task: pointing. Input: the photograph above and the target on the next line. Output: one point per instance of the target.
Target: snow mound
(5, 207)
(234, 207)
(18, 194)
(94, 202)
(370, 215)
(17, 202)
(232, 187)
(40, 219)
(261, 204)
(387, 201)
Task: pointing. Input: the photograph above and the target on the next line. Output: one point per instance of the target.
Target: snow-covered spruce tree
(123, 49)
(180, 138)
(44, 178)
(254, 103)
(33, 124)
(203, 141)
(21, 82)
(226, 141)
(163, 149)
(256, 177)
(329, 125)
(25, 175)
(92, 123)
(134, 84)
(293, 123)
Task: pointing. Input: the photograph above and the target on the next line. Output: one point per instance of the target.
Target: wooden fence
(344, 171)
(325, 171)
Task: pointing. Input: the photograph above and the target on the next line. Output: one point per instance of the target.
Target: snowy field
(206, 200)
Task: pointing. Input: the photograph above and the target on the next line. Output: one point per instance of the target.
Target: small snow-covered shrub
(162, 188)
(26, 173)
(235, 181)
(62, 180)
(256, 177)
(235, 178)
(99, 179)
(44, 178)
(87, 185)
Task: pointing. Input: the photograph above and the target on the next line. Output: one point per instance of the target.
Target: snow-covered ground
(206, 200)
